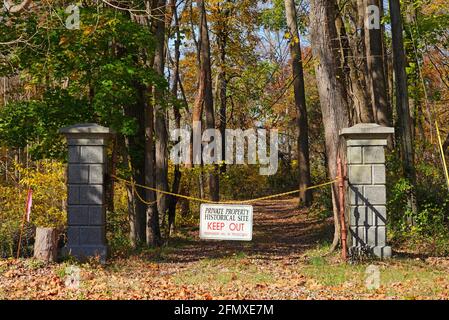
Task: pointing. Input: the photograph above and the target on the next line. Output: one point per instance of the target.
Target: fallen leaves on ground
(284, 261)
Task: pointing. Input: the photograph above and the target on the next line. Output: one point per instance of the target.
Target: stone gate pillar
(367, 192)
(86, 210)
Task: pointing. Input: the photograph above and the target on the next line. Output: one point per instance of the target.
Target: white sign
(226, 222)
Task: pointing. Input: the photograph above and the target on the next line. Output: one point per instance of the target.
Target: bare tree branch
(14, 8)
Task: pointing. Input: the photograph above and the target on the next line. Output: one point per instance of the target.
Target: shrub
(429, 230)
(47, 179)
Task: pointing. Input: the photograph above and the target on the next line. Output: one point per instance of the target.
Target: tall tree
(205, 91)
(332, 93)
(305, 196)
(377, 81)
(405, 122)
(160, 126)
(135, 147)
(351, 33)
(174, 92)
(156, 157)
(153, 234)
(222, 35)
(135, 144)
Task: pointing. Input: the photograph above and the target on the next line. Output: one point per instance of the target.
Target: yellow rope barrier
(134, 185)
(148, 203)
(135, 191)
(443, 158)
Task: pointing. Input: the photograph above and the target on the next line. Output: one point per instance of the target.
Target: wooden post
(341, 193)
(24, 219)
(46, 244)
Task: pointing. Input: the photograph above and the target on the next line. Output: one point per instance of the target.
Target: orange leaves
(272, 269)
(88, 30)
(207, 296)
(137, 279)
(11, 273)
(63, 41)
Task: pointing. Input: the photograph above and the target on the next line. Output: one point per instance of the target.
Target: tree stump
(46, 244)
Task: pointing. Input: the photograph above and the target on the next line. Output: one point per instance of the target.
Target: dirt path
(280, 230)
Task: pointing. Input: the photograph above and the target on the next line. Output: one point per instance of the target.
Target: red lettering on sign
(215, 225)
(236, 226)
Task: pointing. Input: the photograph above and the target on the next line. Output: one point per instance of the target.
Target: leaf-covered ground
(285, 260)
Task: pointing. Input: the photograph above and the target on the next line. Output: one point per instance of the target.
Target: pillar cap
(367, 131)
(86, 128)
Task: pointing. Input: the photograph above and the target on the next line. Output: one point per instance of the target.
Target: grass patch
(333, 274)
(411, 280)
(61, 271)
(34, 264)
(406, 279)
(322, 248)
(67, 268)
(223, 271)
(317, 261)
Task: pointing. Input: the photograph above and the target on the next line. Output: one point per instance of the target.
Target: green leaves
(273, 17)
(90, 74)
(36, 123)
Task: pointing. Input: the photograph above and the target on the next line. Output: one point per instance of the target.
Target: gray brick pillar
(367, 192)
(86, 210)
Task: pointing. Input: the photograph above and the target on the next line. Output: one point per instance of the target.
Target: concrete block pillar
(86, 205)
(367, 193)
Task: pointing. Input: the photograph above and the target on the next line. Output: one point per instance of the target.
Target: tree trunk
(123, 144)
(153, 233)
(145, 224)
(133, 224)
(331, 89)
(386, 64)
(402, 103)
(185, 204)
(160, 127)
(222, 39)
(197, 112)
(305, 196)
(135, 146)
(223, 99)
(46, 244)
(352, 48)
(174, 92)
(205, 95)
(376, 76)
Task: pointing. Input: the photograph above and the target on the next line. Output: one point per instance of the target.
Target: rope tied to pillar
(133, 185)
